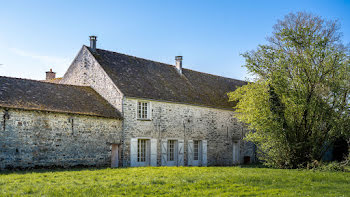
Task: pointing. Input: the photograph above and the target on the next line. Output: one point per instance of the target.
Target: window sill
(141, 119)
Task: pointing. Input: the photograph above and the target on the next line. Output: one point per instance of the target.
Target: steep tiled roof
(141, 78)
(36, 95)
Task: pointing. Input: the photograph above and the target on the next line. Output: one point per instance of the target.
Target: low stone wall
(44, 139)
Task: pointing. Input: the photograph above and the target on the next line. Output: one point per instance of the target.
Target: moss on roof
(54, 80)
(141, 78)
(44, 96)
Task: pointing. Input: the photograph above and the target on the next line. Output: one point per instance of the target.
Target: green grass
(175, 181)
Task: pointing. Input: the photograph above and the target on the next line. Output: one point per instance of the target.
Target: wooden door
(115, 156)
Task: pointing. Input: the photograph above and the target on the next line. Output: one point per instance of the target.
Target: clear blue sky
(38, 35)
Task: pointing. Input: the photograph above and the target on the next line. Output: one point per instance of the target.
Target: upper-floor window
(143, 109)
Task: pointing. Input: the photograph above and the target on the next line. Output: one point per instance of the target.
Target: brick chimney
(50, 75)
(178, 63)
(93, 40)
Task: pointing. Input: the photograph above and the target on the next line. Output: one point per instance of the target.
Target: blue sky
(38, 35)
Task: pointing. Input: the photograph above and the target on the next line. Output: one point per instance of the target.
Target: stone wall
(44, 139)
(86, 71)
(187, 122)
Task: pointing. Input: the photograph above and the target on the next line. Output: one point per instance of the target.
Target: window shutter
(190, 153)
(149, 110)
(204, 152)
(133, 152)
(236, 153)
(180, 153)
(153, 152)
(164, 152)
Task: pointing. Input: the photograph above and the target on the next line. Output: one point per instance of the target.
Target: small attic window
(143, 110)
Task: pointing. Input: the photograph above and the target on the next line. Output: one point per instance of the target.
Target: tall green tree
(298, 104)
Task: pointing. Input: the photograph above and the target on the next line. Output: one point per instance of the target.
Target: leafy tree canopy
(299, 103)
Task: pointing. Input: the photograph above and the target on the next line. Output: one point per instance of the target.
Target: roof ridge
(34, 80)
(213, 74)
(143, 78)
(169, 64)
(137, 57)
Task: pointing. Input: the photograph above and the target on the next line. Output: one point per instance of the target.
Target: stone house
(46, 124)
(121, 110)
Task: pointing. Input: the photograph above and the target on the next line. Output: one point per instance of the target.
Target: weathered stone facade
(45, 139)
(169, 120)
(85, 70)
(34, 138)
(186, 122)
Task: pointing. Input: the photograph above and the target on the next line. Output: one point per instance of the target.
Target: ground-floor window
(196, 150)
(142, 150)
(171, 150)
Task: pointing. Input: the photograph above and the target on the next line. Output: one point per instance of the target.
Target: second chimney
(50, 75)
(93, 40)
(178, 63)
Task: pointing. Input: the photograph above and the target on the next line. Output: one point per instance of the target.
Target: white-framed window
(171, 150)
(142, 150)
(196, 150)
(143, 110)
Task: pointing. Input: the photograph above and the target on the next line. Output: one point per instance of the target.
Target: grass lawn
(175, 181)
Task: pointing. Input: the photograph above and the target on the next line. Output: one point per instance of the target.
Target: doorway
(143, 152)
(115, 156)
(197, 153)
(172, 153)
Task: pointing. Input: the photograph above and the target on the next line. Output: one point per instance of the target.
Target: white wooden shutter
(204, 152)
(164, 152)
(190, 153)
(180, 153)
(133, 152)
(153, 152)
(149, 111)
(236, 153)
